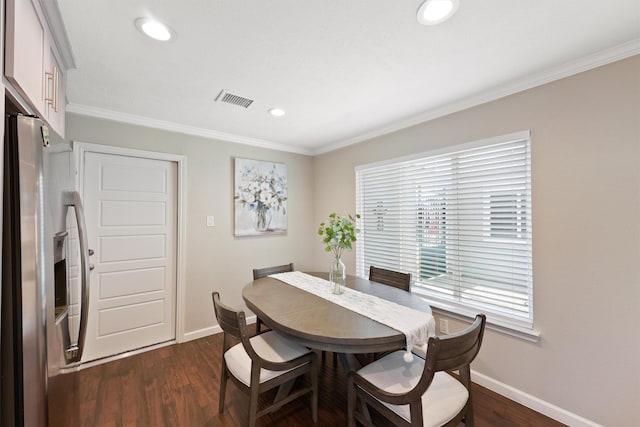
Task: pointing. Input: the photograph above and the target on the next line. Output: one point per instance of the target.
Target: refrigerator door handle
(74, 353)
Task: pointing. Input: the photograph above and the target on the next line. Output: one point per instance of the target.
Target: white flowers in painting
(261, 189)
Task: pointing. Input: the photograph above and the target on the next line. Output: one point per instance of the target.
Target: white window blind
(459, 220)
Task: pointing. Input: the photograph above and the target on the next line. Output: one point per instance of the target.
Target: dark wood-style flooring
(178, 386)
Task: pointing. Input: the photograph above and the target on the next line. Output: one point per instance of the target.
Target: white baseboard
(211, 330)
(201, 333)
(538, 405)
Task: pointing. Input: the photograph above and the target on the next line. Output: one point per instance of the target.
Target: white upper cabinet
(24, 51)
(32, 64)
(54, 99)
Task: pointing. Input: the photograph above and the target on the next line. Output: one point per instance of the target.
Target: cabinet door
(24, 51)
(54, 100)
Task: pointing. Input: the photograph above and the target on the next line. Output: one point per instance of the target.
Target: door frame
(81, 148)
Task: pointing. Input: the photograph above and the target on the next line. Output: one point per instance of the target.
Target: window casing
(459, 220)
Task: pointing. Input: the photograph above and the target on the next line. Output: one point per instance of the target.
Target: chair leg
(465, 375)
(258, 325)
(253, 405)
(314, 388)
(223, 387)
(468, 416)
(351, 402)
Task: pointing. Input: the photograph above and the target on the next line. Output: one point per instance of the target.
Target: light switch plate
(210, 221)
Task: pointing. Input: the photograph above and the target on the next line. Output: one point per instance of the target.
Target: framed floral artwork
(260, 197)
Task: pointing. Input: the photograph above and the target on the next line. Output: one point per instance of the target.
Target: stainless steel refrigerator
(38, 352)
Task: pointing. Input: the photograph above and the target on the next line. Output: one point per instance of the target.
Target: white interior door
(131, 215)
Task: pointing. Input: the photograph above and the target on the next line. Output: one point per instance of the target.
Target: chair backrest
(232, 322)
(453, 352)
(259, 273)
(391, 278)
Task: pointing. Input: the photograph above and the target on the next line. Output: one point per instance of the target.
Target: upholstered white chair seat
(270, 346)
(444, 398)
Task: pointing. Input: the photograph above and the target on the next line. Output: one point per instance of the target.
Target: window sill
(520, 332)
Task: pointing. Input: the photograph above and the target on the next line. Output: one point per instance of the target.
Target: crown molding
(598, 59)
(59, 33)
(101, 113)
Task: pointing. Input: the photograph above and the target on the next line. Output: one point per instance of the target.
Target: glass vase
(262, 219)
(337, 276)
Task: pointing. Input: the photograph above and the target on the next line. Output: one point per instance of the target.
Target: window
(459, 220)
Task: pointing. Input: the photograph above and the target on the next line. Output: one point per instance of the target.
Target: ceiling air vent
(230, 98)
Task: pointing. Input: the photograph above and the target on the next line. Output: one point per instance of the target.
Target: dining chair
(421, 392)
(259, 273)
(390, 277)
(261, 363)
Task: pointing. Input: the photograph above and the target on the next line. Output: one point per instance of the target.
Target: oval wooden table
(320, 324)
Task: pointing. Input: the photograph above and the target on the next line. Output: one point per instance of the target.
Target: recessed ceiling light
(278, 112)
(154, 29)
(433, 12)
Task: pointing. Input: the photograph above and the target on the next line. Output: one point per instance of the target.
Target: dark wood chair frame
(259, 273)
(234, 324)
(453, 352)
(391, 278)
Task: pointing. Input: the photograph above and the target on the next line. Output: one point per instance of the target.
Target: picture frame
(260, 197)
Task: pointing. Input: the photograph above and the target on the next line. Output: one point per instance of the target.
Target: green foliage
(339, 233)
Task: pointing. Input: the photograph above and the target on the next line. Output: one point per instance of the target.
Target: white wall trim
(181, 248)
(58, 31)
(85, 365)
(211, 330)
(586, 63)
(532, 402)
(79, 150)
(201, 333)
(568, 69)
(516, 331)
(101, 113)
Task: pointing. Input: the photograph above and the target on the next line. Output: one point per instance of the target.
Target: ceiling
(344, 71)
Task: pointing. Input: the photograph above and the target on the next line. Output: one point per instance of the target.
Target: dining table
(320, 324)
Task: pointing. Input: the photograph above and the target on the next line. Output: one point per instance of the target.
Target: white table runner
(416, 325)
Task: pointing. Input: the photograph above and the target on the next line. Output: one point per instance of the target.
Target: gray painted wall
(586, 233)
